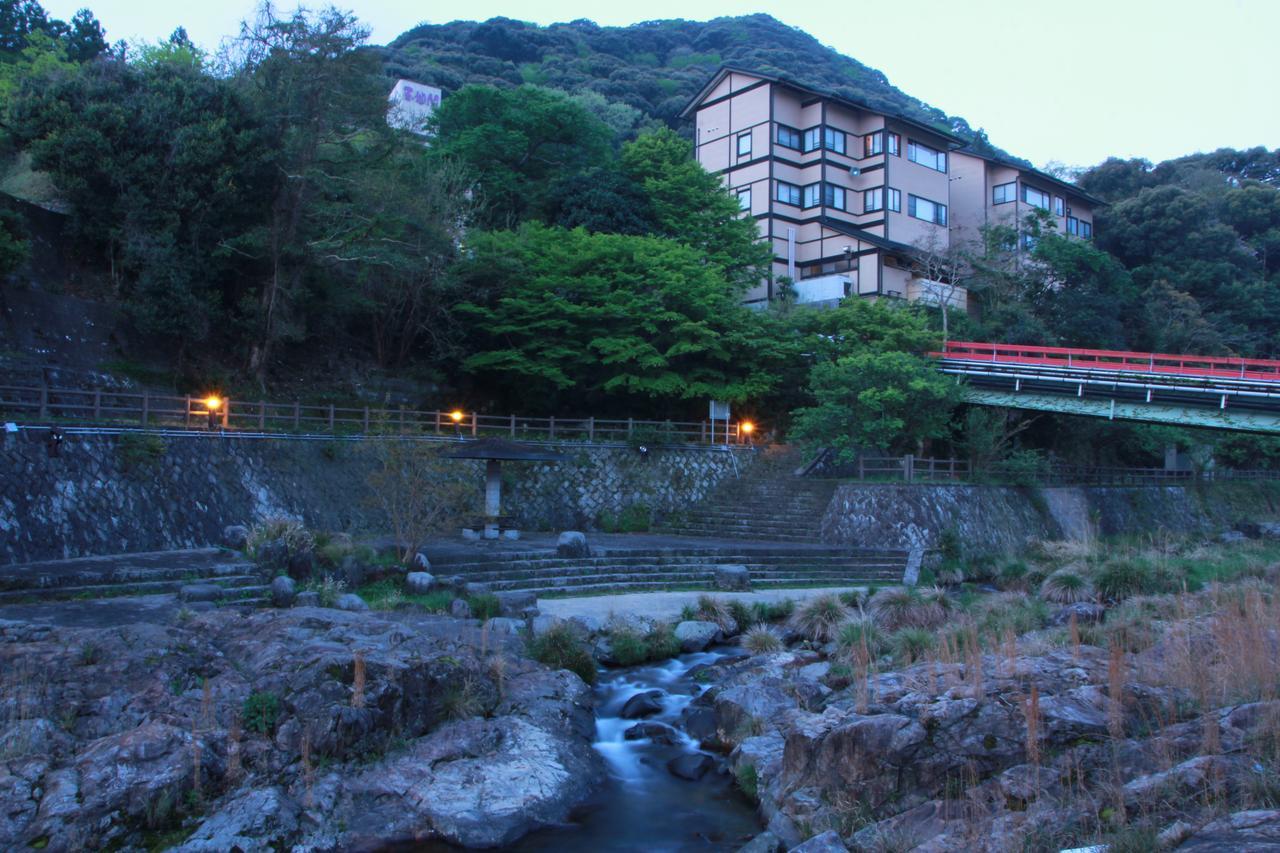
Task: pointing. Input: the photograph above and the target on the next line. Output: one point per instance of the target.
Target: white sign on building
(411, 105)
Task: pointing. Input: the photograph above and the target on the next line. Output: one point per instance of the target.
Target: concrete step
(112, 590)
(684, 578)
(610, 589)
(125, 568)
(643, 562)
(888, 569)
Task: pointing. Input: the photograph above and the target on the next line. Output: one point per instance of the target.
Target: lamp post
(212, 404)
(745, 430)
(456, 416)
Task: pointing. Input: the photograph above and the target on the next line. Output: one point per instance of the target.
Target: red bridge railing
(1101, 359)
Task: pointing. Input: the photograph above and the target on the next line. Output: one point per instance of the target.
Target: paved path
(666, 605)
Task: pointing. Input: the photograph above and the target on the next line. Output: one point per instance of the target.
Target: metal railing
(1113, 360)
(145, 409)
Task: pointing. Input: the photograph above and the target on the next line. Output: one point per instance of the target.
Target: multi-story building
(851, 197)
(987, 190)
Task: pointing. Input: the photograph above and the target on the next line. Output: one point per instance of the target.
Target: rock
(454, 582)
(420, 563)
(733, 578)
(471, 535)
(540, 625)
(692, 766)
(1256, 830)
(765, 842)
(696, 636)
(352, 572)
(301, 565)
(699, 723)
(827, 842)
(1232, 537)
(459, 609)
(475, 590)
(511, 534)
(272, 555)
(351, 602)
(1257, 530)
(642, 705)
(307, 599)
(587, 624)
(260, 819)
(284, 591)
(573, 544)
(235, 537)
(502, 626)
(515, 602)
(1086, 613)
(656, 732)
(418, 583)
(200, 592)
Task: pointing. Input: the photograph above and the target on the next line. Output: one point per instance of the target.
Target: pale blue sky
(1069, 80)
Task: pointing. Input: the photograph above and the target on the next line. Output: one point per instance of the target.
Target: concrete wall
(88, 500)
(997, 519)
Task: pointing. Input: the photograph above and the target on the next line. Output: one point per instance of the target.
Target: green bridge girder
(1240, 420)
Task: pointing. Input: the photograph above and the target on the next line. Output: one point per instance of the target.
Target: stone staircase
(150, 573)
(655, 569)
(767, 503)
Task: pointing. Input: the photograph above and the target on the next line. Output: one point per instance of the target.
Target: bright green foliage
(603, 316)
(691, 205)
(517, 143)
(260, 711)
(560, 648)
(882, 400)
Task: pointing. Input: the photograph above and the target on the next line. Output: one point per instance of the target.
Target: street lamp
(456, 416)
(212, 404)
(746, 428)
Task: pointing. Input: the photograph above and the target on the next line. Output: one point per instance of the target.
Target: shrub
(1066, 586)
(712, 609)
(260, 712)
(748, 780)
(860, 638)
(484, 606)
(897, 607)
(630, 647)
(761, 640)
(951, 574)
(820, 618)
(661, 642)
(773, 611)
(910, 644)
(329, 589)
(1012, 574)
(1009, 612)
(560, 648)
(292, 533)
(744, 615)
(1121, 577)
(855, 598)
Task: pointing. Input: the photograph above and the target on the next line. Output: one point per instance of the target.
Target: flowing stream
(643, 806)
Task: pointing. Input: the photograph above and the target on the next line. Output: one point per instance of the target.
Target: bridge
(1216, 392)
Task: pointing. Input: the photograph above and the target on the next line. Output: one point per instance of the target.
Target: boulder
(200, 592)
(454, 582)
(502, 626)
(1258, 830)
(692, 766)
(656, 732)
(573, 544)
(644, 704)
(259, 819)
(418, 583)
(765, 842)
(540, 625)
(827, 842)
(353, 572)
(696, 636)
(733, 578)
(459, 609)
(351, 602)
(699, 723)
(284, 591)
(1086, 612)
(235, 537)
(1232, 537)
(475, 590)
(516, 602)
(301, 564)
(420, 563)
(307, 598)
(587, 624)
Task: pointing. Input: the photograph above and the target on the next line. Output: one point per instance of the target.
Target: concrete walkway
(667, 605)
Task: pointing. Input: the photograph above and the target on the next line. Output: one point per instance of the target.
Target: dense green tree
(601, 200)
(81, 40)
(519, 144)
(569, 316)
(889, 401)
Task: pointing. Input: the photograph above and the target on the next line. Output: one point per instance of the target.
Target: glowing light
(457, 416)
(747, 427)
(213, 403)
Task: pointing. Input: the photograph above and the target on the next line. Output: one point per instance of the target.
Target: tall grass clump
(1067, 586)
(762, 639)
(897, 607)
(909, 645)
(559, 648)
(860, 639)
(819, 618)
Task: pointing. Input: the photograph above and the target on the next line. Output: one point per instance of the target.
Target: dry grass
(819, 619)
(357, 679)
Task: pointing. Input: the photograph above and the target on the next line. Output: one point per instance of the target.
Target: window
(1004, 193)
(788, 193)
(833, 140)
(1059, 206)
(833, 196)
(895, 200)
(872, 144)
(1035, 197)
(895, 143)
(926, 156)
(744, 144)
(788, 137)
(872, 200)
(1073, 226)
(811, 195)
(828, 267)
(744, 199)
(812, 137)
(1029, 241)
(929, 211)
(1086, 230)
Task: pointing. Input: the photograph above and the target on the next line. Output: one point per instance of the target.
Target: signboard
(719, 410)
(411, 105)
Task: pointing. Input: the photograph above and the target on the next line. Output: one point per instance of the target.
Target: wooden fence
(145, 409)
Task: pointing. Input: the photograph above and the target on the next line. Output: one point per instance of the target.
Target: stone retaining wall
(98, 497)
